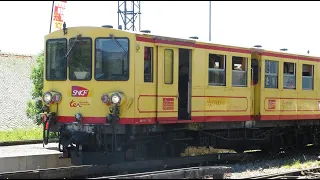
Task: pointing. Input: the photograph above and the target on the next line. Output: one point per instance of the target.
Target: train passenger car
(289, 98)
(118, 96)
(290, 90)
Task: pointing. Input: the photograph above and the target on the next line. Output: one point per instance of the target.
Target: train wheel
(165, 150)
(265, 150)
(141, 151)
(299, 141)
(130, 154)
(277, 142)
(177, 149)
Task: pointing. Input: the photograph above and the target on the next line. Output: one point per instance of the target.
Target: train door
(254, 81)
(167, 84)
(184, 86)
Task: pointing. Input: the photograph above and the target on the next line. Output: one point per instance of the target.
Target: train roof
(193, 41)
(276, 53)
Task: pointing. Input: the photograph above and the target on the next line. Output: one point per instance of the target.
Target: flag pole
(209, 20)
(51, 16)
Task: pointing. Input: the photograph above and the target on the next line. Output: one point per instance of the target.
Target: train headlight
(56, 97)
(50, 97)
(116, 99)
(47, 97)
(105, 98)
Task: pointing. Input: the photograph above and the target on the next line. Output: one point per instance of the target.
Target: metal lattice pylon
(129, 12)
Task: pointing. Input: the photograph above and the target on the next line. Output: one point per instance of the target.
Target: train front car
(88, 80)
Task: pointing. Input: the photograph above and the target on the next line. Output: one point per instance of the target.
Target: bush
(34, 105)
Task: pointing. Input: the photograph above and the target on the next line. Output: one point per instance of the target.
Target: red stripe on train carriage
(102, 120)
(174, 120)
(289, 117)
(289, 56)
(161, 120)
(191, 44)
(194, 119)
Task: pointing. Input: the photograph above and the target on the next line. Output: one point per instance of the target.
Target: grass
(21, 134)
(297, 164)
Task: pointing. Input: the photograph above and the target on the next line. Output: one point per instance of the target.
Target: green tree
(34, 106)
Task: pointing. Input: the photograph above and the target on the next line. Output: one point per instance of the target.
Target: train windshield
(112, 59)
(80, 59)
(56, 64)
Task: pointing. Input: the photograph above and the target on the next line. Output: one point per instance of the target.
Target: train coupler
(109, 118)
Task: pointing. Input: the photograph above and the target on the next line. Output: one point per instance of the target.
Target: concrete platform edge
(32, 162)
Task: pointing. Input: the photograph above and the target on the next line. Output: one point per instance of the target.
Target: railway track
(183, 173)
(310, 173)
(105, 172)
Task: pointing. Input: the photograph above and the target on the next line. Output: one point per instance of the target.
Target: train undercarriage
(114, 143)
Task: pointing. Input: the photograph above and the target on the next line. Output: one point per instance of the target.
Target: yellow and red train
(116, 95)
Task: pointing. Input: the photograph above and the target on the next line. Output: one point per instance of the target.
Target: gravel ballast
(280, 165)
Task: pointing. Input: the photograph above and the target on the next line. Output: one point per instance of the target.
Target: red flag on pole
(57, 15)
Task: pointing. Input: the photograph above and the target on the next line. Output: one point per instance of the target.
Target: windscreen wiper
(67, 54)
(75, 41)
(78, 36)
(112, 36)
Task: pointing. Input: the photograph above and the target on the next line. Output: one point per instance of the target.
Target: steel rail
(289, 174)
(183, 173)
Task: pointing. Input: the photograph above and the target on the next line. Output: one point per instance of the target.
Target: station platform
(31, 157)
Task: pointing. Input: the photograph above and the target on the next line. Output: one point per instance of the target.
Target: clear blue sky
(273, 25)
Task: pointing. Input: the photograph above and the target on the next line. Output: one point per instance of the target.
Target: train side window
(239, 71)
(271, 74)
(289, 75)
(217, 70)
(168, 66)
(148, 64)
(307, 77)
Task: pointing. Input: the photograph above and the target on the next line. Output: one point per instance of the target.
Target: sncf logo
(78, 91)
